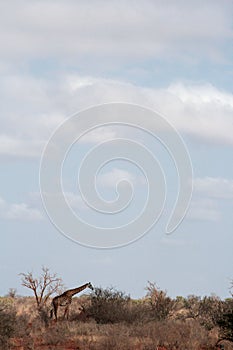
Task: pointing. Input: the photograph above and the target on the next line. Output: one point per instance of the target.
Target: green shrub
(7, 323)
(108, 305)
(225, 321)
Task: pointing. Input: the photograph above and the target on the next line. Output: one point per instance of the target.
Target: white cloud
(107, 32)
(125, 29)
(99, 135)
(111, 178)
(75, 201)
(18, 211)
(219, 188)
(202, 110)
(20, 148)
(200, 94)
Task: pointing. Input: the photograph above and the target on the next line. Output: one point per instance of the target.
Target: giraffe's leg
(55, 311)
(66, 313)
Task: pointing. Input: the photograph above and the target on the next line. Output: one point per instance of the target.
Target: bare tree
(161, 304)
(43, 287)
(11, 293)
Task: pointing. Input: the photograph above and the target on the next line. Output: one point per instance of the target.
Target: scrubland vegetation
(108, 319)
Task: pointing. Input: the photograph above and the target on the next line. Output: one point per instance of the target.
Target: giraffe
(65, 299)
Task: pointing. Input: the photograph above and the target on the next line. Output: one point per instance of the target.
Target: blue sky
(58, 58)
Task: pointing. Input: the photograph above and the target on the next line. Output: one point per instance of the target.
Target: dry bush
(210, 309)
(174, 334)
(170, 334)
(161, 304)
(21, 326)
(58, 334)
(225, 320)
(25, 306)
(207, 310)
(122, 323)
(112, 306)
(108, 305)
(11, 293)
(115, 342)
(7, 322)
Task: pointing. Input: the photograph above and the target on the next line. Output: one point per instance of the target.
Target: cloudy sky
(175, 57)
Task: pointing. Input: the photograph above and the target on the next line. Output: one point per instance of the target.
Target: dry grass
(33, 331)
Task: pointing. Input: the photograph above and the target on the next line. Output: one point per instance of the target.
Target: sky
(174, 57)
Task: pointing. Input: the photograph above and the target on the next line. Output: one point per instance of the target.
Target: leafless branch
(43, 287)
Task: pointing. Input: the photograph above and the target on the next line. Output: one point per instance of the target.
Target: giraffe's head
(89, 285)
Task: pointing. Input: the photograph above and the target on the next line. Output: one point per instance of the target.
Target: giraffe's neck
(74, 291)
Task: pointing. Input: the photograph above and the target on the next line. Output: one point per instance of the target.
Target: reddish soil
(22, 344)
